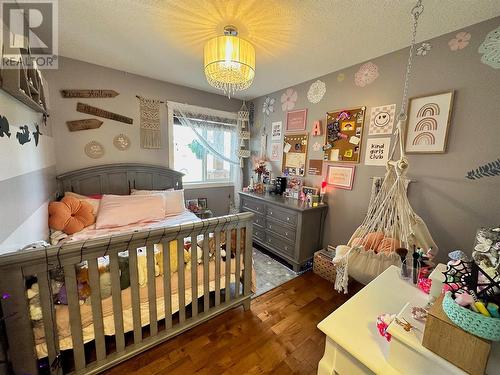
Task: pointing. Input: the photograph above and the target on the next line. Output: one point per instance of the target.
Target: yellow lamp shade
(229, 63)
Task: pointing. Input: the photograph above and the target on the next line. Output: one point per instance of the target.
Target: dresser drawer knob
(287, 218)
(286, 247)
(286, 233)
(270, 212)
(269, 226)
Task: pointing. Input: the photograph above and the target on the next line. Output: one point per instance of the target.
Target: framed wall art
(341, 176)
(276, 131)
(296, 120)
(428, 123)
(344, 131)
(294, 154)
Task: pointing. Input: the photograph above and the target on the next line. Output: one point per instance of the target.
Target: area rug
(269, 272)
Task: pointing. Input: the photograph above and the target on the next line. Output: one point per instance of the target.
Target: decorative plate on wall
(94, 150)
(121, 142)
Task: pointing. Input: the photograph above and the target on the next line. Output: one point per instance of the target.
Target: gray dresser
(286, 227)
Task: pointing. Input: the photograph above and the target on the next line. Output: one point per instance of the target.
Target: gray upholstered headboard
(119, 179)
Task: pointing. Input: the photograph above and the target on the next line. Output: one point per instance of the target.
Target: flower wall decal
(268, 106)
(316, 91)
(366, 74)
(288, 100)
(490, 49)
(317, 146)
(460, 41)
(340, 77)
(424, 49)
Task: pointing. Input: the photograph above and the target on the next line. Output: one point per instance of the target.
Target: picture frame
(192, 205)
(295, 154)
(428, 123)
(296, 120)
(341, 176)
(203, 203)
(276, 131)
(344, 135)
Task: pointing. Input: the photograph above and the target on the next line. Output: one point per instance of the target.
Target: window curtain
(199, 119)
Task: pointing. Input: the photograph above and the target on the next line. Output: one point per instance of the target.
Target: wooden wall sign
(86, 124)
(88, 109)
(89, 93)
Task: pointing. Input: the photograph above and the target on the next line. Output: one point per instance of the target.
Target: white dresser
(354, 346)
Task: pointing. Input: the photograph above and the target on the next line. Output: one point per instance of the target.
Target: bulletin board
(294, 154)
(344, 131)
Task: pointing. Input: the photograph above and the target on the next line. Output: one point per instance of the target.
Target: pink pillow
(120, 210)
(174, 199)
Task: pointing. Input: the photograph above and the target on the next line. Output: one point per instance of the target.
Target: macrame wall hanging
(150, 123)
(244, 133)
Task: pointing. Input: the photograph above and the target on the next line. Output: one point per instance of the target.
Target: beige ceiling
(295, 40)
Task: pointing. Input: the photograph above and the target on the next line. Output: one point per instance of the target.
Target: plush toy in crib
(83, 283)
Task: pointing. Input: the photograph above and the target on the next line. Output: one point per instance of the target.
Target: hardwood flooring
(277, 335)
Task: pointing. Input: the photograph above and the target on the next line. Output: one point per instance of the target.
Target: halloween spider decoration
(462, 276)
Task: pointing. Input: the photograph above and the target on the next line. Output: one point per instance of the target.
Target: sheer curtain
(199, 119)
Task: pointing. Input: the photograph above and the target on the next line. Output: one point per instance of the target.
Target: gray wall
(74, 74)
(452, 206)
(27, 178)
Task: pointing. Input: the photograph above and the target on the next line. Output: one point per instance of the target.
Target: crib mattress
(62, 311)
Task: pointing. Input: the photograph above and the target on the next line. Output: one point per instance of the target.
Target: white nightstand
(354, 346)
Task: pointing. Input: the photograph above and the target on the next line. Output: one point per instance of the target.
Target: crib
(154, 313)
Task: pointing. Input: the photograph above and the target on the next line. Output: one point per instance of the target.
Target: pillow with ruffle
(70, 215)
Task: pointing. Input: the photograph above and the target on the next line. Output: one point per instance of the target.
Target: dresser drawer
(279, 244)
(277, 228)
(259, 220)
(255, 206)
(286, 216)
(259, 233)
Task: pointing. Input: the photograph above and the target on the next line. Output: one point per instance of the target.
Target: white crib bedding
(62, 311)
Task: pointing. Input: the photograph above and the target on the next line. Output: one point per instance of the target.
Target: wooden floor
(278, 335)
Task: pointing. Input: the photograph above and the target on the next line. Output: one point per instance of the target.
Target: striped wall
(27, 178)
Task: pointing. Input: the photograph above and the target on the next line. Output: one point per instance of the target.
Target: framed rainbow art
(428, 123)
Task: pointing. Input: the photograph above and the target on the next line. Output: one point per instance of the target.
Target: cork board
(294, 154)
(343, 135)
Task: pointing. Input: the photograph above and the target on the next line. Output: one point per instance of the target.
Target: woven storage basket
(470, 321)
(323, 267)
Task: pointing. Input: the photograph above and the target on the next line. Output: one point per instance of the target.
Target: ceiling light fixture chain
(416, 12)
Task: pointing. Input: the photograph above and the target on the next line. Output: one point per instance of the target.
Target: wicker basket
(323, 266)
(470, 321)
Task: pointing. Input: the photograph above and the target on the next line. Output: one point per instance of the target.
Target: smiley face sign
(382, 119)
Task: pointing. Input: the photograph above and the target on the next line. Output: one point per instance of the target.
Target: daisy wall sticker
(424, 49)
(288, 100)
(460, 41)
(366, 74)
(490, 49)
(268, 106)
(316, 91)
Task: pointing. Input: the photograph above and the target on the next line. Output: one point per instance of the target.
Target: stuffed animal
(33, 295)
(83, 283)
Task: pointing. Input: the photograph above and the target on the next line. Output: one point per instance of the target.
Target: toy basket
(470, 321)
(323, 266)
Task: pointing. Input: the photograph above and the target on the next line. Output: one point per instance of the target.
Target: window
(193, 159)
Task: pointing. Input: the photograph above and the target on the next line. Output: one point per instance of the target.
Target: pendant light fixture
(229, 62)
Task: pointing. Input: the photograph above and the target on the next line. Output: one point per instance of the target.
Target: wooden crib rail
(16, 267)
